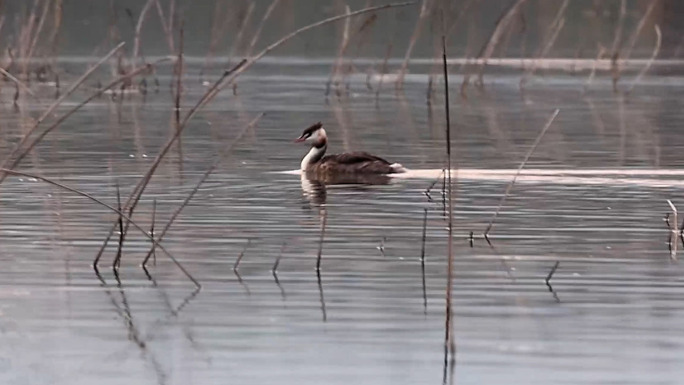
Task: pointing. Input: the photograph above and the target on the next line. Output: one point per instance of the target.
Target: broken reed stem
(550, 275)
(138, 30)
(449, 342)
(206, 175)
(277, 261)
(656, 50)
(110, 208)
(51, 108)
(674, 232)
(17, 82)
(236, 265)
(512, 182)
(432, 185)
(154, 214)
(424, 13)
(59, 121)
(226, 78)
(117, 260)
(324, 219)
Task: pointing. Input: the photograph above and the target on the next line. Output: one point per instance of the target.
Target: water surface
(592, 197)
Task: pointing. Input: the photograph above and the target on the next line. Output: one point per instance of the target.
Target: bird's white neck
(314, 155)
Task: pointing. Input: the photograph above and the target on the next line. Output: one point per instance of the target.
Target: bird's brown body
(316, 163)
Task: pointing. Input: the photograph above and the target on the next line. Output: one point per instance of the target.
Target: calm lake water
(593, 200)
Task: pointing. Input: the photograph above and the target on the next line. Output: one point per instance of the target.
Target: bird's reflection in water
(314, 185)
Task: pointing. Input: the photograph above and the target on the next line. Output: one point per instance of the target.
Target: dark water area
(592, 197)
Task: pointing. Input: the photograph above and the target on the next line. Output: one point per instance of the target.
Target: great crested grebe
(347, 163)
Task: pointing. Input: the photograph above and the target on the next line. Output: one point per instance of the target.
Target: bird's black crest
(309, 131)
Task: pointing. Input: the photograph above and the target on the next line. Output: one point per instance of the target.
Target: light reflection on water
(592, 197)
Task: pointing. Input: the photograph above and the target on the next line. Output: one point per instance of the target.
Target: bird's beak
(299, 140)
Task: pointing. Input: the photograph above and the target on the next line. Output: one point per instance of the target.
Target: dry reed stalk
(168, 32)
(103, 204)
(637, 30)
(241, 31)
(39, 29)
(18, 82)
(290, 35)
(236, 266)
(656, 50)
(59, 121)
(226, 78)
(601, 51)
(154, 214)
(674, 232)
(432, 185)
(179, 89)
(340, 54)
(551, 35)
(422, 258)
(137, 192)
(324, 220)
(25, 34)
(488, 49)
(449, 341)
(362, 34)
(322, 297)
(51, 108)
(383, 72)
(117, 261)
(512, 182)
(424, 13)
(274, 269)
(617, 42)
(217, 31)
(550, 275)
(138, 30)
(548, 281)
(227, 150)
(56, 24)
(257, 33)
